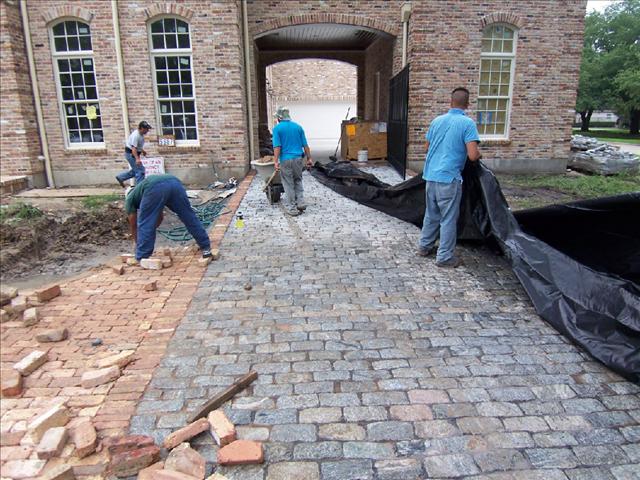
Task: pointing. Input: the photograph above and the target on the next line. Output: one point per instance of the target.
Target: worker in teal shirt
(289, 148)
(451, 138)
(144, 205)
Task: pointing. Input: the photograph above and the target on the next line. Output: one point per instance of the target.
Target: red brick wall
(19, 141)
(314, 80)
(546, 75)
(217, 69)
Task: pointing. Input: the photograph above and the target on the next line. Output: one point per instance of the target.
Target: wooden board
(363, 136)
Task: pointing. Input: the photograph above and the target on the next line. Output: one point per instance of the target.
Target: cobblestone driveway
(375, 364)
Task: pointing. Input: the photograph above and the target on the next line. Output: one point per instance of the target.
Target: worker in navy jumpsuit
(144, 205)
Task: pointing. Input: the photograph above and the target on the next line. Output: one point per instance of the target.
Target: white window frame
(172, 52)
(79, 54)
(500, 56)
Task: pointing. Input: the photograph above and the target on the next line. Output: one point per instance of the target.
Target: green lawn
(610, 135)
(99, 201)
(584, 186)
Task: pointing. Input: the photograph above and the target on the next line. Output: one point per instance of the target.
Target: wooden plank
(220, 398)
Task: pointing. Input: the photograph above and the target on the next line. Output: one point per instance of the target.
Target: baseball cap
(144, 124)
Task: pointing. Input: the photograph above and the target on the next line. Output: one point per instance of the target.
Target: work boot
(302, 207)
(206, 253)
(120, 182)
(292, 212)
(453, 262)
(425, 252)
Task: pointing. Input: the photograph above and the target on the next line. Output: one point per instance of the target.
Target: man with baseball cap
(133, 148)
(289, 148)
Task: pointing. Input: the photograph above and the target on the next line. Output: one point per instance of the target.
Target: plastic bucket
(363, 155)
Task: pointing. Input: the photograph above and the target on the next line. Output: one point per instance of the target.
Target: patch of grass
(585, 186)
(98, 201)
(19, 211)
(610, 135)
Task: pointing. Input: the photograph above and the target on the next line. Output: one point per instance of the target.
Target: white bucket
(363, 155)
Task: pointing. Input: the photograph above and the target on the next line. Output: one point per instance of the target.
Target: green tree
(610, 70)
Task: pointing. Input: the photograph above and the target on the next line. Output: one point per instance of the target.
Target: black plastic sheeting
(579, 263)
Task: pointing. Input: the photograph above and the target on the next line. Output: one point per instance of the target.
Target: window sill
(495, 143)
(179, 148)
(98, 150)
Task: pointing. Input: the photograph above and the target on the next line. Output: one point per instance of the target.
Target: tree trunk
(634, 122)
(585, 117)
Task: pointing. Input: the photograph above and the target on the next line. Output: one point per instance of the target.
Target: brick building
(189, 68)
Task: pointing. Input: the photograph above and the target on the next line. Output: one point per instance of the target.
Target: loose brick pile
(90, 392)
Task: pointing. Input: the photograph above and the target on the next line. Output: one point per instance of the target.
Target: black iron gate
(397, 124)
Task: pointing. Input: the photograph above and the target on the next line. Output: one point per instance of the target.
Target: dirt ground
(520, 198)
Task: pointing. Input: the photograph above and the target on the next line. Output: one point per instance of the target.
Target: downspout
(36, 94)
(405, 15)
(247, 74)
(120, 62)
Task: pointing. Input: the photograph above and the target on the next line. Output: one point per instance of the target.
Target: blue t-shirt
(448, 136)
(289, 136)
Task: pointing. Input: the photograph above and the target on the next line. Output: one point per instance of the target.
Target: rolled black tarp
(579, 262)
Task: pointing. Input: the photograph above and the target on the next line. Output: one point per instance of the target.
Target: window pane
(486, 45)
(61, 44)
(507, 46)
(185, 76)
(161, 77)
(174, 76)
(84, 122)
(484, 90)
(86, 136)
(190, 120)
(75, 65)
(67, 94)
(174, 90)
(183, 27)
(63, 65)
(172, 62)
(179, 133)
(83, 29)
(156, 27)
(71, 28)
(183, 41)
(185, 63)
(170, 25)
(189, 106)
(166, 121)
(171, 41)
(92, 93)
(65, 79)
(89, 79)
(77, 79)
(192, 134)
(163, 91)
(177, 107)
(161, 63)
(97, 136)
(187, 91)
(58, 30)
(158, 41)
(74, 137)
(72, 123)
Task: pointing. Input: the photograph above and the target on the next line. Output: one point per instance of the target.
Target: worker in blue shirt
(144, 205)
(451, 138)
(289, 148)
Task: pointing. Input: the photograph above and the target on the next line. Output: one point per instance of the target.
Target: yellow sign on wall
(92, 114)
(351, 130)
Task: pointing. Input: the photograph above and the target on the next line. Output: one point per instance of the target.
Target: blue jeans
(172, 194)
(441, 217)
(136, 171)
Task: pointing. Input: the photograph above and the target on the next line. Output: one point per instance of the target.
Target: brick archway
(322, 17)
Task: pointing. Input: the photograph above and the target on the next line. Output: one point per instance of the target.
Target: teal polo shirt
(448, 136)
(133, 200)
(289, 136)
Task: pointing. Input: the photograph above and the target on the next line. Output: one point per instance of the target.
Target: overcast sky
(598, 5)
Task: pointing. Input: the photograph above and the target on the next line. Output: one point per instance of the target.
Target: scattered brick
(204, 261)
(31, 362)
(215, 254)
(46, 294)
(118, 269)
(4, 315)
(7, 294)
(151, 263)
(121, 359)
(147, 473)
(56, 416)
(176, 438)
(93, 378)
(53, 335)
(222, 430)
(85, 439)
(241, 452)
(60, 472)
(11, 383)
(151, 286)
(171, 475)
(166, 251)
(124, 258)
(129, 442)
(129, 463)
(18, 305)
(132, 261)
(185, 459)
(217, 476)
(30, 317)
(166, 262)
(17, 469)
(52, 443)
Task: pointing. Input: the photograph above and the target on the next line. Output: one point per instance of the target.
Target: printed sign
(153, 165)
(92, 113)
(351, 130)
(167, 141)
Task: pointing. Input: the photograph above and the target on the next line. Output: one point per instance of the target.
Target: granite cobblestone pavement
(375, 364)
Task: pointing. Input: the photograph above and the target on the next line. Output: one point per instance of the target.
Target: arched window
(497, 67)
(76, 81)
(171, 60)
